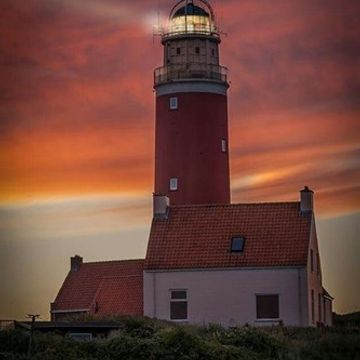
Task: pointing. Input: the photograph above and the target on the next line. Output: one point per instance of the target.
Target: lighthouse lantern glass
(190, 24)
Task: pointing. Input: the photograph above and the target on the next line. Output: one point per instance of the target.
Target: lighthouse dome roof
(190, 9)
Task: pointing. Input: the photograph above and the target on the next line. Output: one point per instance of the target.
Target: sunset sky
(77, 130)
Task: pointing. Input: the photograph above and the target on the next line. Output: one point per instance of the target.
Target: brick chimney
(76, 262)
(306, 200)
(161, 205)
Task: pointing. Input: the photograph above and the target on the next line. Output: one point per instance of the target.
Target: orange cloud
(77, 128)
(77, 111)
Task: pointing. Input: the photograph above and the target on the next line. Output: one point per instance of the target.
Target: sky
(77, 130)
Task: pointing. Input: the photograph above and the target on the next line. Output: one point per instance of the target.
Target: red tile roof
(199, 236)
(110, 287)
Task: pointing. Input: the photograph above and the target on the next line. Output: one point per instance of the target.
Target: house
(233, 264)
(100, 288)
(236, 264)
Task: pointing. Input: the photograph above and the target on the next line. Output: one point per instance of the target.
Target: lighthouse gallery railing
(190, 71)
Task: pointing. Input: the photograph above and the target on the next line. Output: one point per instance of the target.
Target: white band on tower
(192, 86)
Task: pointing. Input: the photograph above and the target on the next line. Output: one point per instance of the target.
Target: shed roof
(199, 236)
(110, 287)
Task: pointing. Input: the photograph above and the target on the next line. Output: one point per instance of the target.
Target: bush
(14, 340)
(147, 339)
(256, 340)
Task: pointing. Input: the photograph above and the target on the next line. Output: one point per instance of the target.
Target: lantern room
(191, 17)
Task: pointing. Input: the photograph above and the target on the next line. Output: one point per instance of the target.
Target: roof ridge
(114, 261)
(238, 204)
(119, 276)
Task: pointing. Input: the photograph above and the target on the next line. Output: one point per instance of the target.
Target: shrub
(125, 347)
(252, 339)
(14, 341)
(147, 339)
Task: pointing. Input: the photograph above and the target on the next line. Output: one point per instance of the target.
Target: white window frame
(173, 184)
(179, 300)
(173, 103)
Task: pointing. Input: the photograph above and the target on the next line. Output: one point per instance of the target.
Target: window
(319, 306)
(178, 305)
(223, 145)
(312, 260)
(173, 103)
(318, 263)
(213, 52)
(312, 307)
(267, 306)
(81, 337)
(178, 51)
(197, 50)
(237, 244)
(173, 184)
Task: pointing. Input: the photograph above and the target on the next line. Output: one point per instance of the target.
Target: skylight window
(237, 244)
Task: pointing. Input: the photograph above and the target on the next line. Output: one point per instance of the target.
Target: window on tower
(173, 103)
(173, 184)
(178, 51)
(197, 50)
(223, 145)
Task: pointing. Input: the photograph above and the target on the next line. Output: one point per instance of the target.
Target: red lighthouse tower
(191, 146)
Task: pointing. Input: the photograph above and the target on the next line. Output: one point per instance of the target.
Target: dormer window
(237, 244)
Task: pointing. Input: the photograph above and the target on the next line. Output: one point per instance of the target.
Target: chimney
(161, 205)
(76, 262)
(306, 200)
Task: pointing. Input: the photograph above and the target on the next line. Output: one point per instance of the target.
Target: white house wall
(315, 280)
(228, 297)
(328, 320)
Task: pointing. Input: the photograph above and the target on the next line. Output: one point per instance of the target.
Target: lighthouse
(191, 126)
(207, 260)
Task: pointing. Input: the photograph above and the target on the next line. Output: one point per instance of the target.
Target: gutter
(69, 311)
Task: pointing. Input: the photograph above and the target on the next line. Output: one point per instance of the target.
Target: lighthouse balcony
(197, 31)
(190, 71)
